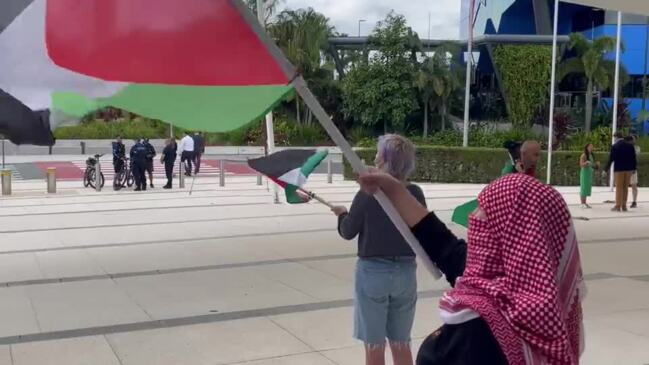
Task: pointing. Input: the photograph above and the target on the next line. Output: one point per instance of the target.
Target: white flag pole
(616, 93)
(552, 89)
(270, 131)
(467, 85)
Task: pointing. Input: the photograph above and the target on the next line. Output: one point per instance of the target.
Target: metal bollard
(221, 172)
(6, 182)
(83, 147)
(51, 180)
(98, 179)
(259, 179)
(329, 172)
(181, 175)
(50, 150)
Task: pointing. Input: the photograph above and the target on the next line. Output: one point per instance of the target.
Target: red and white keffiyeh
(523, 273)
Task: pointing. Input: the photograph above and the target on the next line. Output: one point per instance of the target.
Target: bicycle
(89, 176)
(124, 177)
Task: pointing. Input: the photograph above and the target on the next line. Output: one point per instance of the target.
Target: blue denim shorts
(385, 299)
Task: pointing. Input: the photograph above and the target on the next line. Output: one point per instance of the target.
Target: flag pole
(359, 167)
(270, 131)
(467, 86)
(552, 89)
(616, 93)
(313, 195)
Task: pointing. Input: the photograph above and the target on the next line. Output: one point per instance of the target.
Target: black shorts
(118, 165)
(148, 166)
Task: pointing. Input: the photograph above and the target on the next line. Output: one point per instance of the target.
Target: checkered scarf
(523, 273)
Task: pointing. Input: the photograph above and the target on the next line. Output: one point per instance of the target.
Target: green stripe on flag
(204, 108)
(313, 162)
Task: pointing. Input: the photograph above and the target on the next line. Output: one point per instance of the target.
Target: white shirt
(186, 144)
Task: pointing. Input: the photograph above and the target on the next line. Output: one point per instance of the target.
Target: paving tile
(214, 343)
(16, 313)
(74, 351)
(310, 359)
(83, 304)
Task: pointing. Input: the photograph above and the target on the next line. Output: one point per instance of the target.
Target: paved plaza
(224, 276)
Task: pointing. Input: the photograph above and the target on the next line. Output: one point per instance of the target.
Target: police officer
(168, 158)
(138, 159)
(150, 154)
(119, 157)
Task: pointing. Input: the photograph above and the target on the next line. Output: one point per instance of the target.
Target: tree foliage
(590, 61)
(382, 91)
(525, 73)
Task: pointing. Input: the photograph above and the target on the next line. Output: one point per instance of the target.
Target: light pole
(359, 26)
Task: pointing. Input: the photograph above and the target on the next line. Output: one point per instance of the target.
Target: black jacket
(119, 150)
(21, 125)
(150, 151)
(199, 144)
(623, 157)
(169, 154)
(138, 153)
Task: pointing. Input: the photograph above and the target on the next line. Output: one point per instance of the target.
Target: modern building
(535, 17)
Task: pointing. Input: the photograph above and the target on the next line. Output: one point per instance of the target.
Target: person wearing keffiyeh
(517, 282)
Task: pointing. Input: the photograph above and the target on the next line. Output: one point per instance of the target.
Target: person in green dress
(588, 165)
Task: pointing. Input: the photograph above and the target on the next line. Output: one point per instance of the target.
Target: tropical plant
(270, 7)
(525, 71)
(590, 60)
(382, 91)
(303, 36)
(437, 79)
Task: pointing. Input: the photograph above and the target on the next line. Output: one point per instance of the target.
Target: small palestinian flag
(289, 169)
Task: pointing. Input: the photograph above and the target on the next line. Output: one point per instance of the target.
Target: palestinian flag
(289, 169)
(199, 64)
(21, 125)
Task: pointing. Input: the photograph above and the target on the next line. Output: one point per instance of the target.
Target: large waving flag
(198, 64)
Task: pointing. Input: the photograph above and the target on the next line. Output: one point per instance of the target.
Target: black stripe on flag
(279, 163)
(21, 125)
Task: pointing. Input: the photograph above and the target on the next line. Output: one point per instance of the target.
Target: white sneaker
(585, 206)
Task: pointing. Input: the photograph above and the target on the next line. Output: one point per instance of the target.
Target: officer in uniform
(138, 159)
(150, 154)
(119, 157)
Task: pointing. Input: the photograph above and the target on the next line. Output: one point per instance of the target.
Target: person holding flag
(517, 282)
(386, 281)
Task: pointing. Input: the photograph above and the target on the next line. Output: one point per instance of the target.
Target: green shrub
(483, 165)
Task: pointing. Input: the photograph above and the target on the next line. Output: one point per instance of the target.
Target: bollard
(221, 172)
(329, 177)
(259, 179)
(51, 180)
(83, 147)
(50, 150)
(181, 175)
(6, 182)
(98, 179)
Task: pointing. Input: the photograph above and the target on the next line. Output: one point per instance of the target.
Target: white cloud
(344, 14)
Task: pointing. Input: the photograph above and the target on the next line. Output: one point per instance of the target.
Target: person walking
(138, 161)
(386, 281)
(623, 160)
(187, 152)
(199, 150)
(150, 155)
(588, 164)
(119, 160)
(517, 283)
(634, 177)
(168, 158)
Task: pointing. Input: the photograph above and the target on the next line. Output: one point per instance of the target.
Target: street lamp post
(359, 26)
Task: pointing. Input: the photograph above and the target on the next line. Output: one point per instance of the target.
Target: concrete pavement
(226, 277)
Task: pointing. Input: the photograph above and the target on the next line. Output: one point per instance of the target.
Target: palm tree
(437, 79)
(303, 35)
(590, 60)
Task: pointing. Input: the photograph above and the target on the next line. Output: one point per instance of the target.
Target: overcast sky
(344, 14)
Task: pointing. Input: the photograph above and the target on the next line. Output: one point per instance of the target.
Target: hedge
(483, 165)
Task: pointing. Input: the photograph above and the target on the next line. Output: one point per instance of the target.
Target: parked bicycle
(124, 177)
(90, 175)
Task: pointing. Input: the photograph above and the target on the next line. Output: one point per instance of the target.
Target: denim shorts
(385, 299)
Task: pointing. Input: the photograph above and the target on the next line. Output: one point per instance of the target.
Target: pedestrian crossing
(208, 168)
(15, 174)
